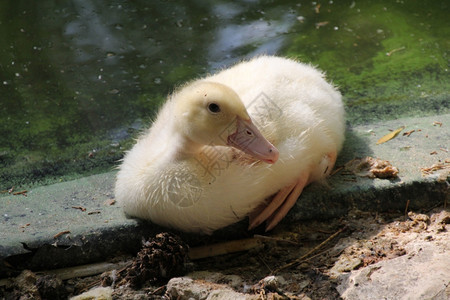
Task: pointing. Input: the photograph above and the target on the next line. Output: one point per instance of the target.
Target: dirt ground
(300, 261)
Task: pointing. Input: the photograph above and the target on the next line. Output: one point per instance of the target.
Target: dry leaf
(440, 170)
(390, 135)
(408, 133)
(372, 168)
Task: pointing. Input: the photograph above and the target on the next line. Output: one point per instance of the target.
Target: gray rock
(272, 282)
(423, 273)
(346, 264)
(185, 288)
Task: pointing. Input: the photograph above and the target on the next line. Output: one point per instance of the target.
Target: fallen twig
(406, 209)
(157, 290)
(61, 233)
(224, 248)
(79, 207)
(24, 192)
(86, 270)
(351, 180)
(304, 257)
(78, 271)
(408, 133)
(395, 50)
(270, 238)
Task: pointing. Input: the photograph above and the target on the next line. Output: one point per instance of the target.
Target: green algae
(390, 59)
(78, 83)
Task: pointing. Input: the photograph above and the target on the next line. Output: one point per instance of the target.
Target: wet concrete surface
(77, 222)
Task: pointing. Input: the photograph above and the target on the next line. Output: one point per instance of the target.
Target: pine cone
(160, 259)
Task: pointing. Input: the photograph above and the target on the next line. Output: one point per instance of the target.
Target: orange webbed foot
(286, 198)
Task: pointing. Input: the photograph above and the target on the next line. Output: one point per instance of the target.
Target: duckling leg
(282, 211)
(324, 169)
(276, 202)
(285, 199)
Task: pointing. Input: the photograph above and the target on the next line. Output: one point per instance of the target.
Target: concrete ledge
(45, 229)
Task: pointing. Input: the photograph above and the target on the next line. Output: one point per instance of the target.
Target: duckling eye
(214, 108)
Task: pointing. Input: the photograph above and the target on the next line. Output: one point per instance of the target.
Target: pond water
(79, 79)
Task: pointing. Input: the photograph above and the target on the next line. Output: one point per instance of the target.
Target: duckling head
(210, 113)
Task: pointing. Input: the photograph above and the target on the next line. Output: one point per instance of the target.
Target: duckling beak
(249, 139)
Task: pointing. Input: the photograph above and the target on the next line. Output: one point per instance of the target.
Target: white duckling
(223, 146)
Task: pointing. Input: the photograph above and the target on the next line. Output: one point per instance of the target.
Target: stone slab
(72, 223)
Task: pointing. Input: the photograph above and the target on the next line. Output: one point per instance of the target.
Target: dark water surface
(78, 79)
